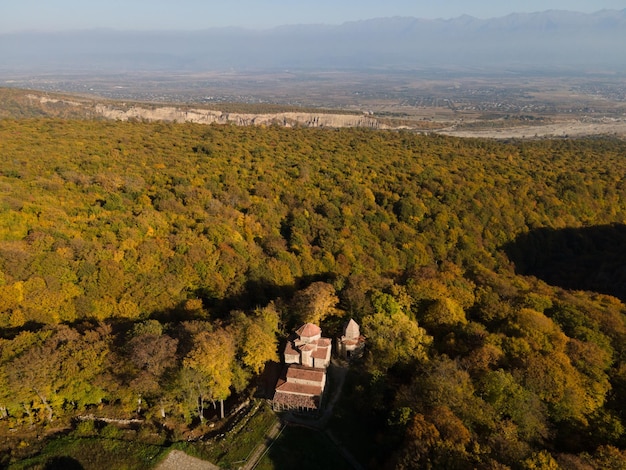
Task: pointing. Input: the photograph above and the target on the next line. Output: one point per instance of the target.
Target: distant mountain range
(550, 40)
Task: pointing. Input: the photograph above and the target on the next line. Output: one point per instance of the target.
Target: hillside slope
(148, 270)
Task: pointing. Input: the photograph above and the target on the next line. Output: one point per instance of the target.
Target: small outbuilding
(352, 343)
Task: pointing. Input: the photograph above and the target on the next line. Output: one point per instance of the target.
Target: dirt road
(569, 128)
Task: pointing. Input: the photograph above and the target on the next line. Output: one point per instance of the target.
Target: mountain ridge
(546, 40)
(464, 18)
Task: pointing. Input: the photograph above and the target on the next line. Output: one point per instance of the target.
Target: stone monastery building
(306, 355)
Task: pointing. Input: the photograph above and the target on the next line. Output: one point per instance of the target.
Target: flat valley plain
(463, 102)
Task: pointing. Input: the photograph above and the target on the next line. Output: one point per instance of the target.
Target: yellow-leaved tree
(257, 333)
(211, 360)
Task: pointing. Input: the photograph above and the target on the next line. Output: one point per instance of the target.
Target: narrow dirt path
(260, 450)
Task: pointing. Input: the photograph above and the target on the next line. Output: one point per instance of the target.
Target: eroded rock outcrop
(207, 116)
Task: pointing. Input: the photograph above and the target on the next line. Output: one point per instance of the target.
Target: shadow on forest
(258, 293)
(63, 463)
(255, 293)
(588, 258)
(10, 333)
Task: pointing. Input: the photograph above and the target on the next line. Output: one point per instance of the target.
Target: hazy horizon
(552, 40)
(193, 15)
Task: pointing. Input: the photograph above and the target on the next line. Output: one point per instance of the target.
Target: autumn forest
(151, 270)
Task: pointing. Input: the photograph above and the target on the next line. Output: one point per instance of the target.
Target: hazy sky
(54, 15)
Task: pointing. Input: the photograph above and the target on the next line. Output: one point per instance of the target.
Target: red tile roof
(305, 373)
(300, 389)
(323, 342)
(289, 350)
(308, 330)
(320, 353)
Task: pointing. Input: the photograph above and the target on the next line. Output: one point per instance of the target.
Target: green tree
(444, 312)
(509, 398)
(394, 339)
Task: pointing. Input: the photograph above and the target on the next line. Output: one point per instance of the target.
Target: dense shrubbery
(149, 269)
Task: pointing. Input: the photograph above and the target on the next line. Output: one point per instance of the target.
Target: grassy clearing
(304, 449)
(111, 448)
(96, 453)
(231, 450)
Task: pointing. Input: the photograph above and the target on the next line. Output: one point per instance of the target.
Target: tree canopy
(148, 268)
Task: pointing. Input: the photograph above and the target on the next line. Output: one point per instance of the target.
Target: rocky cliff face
(206, 116)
